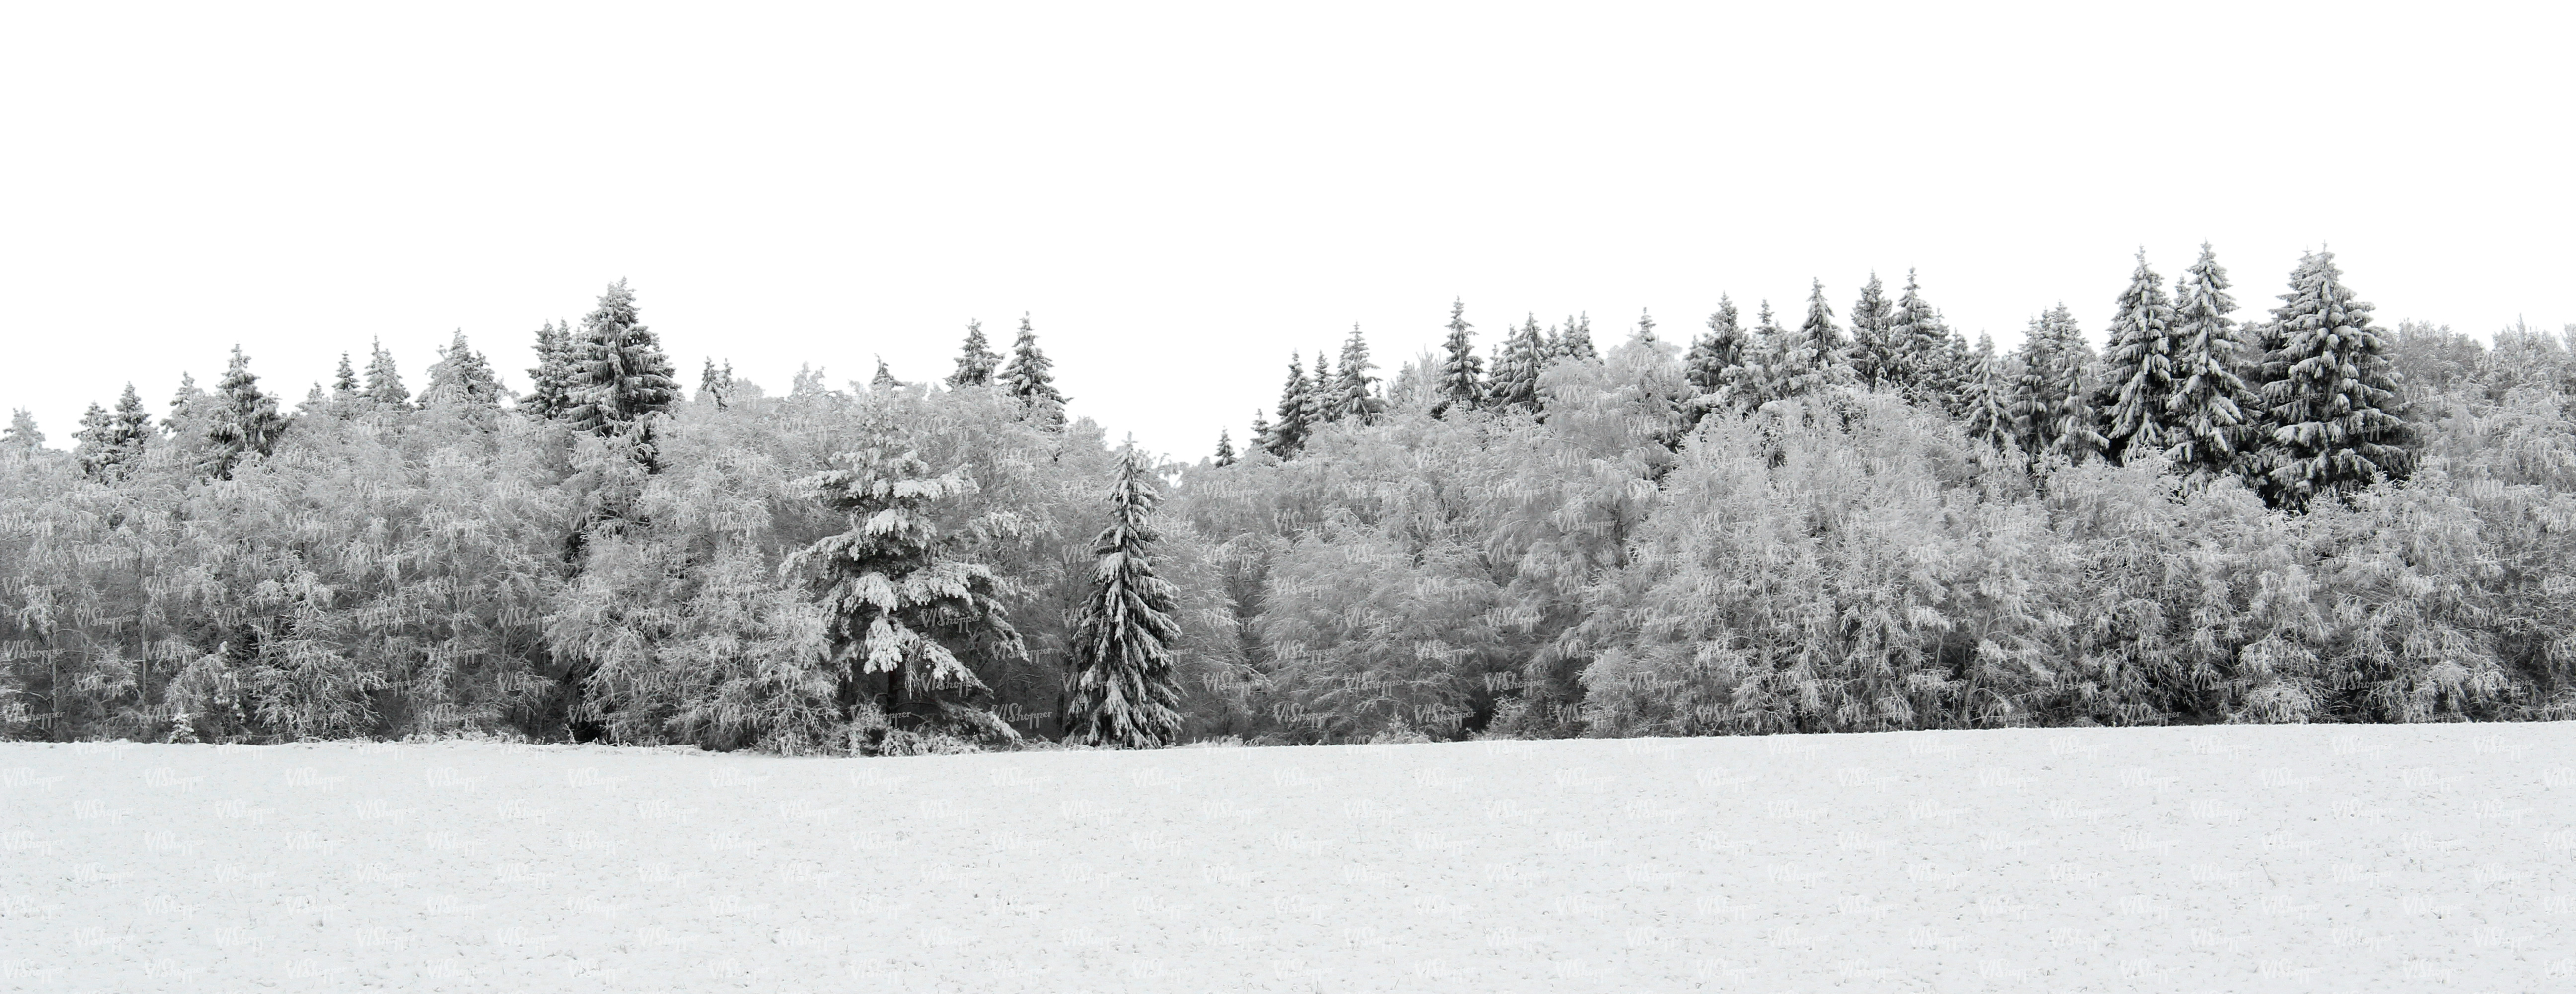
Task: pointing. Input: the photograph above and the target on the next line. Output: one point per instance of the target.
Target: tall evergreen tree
(2052, 409)
(896, 592)
(714, 386)
(462, 376)
(22, 436)
(884, 378)
(1877, 354)
(620, 374)
(1121, 690)
(1716, 355)
(1986, 412)
(1225, 455)
(1354, 390)
(1819, 335)
(2330, 394)
(2211, 404)
(1288, 434)
(552, 379)
(187, 404)
(1462, 372)
(93, 444)
(244, 420)
(384, 381)
(1645, 333)
(1263, 438)
(344, 381)
(1030, 376)
(2139, 367)
(1516, 370)
(131, 427)
(976, 360)
(1931, 362)
(1322, 407)
(1576, 343)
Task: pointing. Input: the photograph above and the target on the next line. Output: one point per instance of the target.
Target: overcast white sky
(1181, 194)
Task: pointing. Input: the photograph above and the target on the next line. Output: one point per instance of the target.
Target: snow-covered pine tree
(244, 420)
(1645, 333)
(620, 375)
(895, 591)
(1322, 407)
(344, 381)
(2052, 411)
(462, 376)
(1516, 370)
(709, 390)
(93, 441)
(1932, 366)
(550, 381)
(1288, 434)
(2139, 366)
(1986, 411)
(1355, 391)
(2211, 402)
(1030, 376)
(884, 378)
(1876, 354)
(2330, 394)
(1823, 340)
(133, 426)
(1225, 455)
(384, 381)
(976, 360)
(1717, 354)
(1462, 372)
(1263, 439)
(22, 436)
(1120, 689)
(1576, 343)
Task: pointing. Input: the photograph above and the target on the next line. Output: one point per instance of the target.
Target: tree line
(1856, 523)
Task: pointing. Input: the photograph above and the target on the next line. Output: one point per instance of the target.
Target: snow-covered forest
(1829, 516)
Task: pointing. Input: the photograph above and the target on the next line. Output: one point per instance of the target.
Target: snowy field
(2317, 858)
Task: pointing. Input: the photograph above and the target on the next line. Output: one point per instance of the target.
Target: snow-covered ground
(2318, 858)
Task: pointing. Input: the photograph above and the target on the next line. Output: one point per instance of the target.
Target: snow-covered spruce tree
(344, 381)
(1931, 363)
(1820, 336)
(1288, 434)
(1576, 342)
(133, 427)
(1030, 376)
(1225, 455)
(2051, 410)
(2330, 394)
(620, 375)
(1876, 355)
(884, 378)
(1322, 407)
(91, 440)
(1354, 390)
(1645, 333)
(462, 377)
(1261, 434)
(2211, 402)
(976, 360)
(1120, 690)
(550, 381)
(1986, 411)
(2140, 368)
(1716, 354)
(1462, 372)
(244, 420)
(384, 381)
(1516, 370)
(897, 593)
(22, 436)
